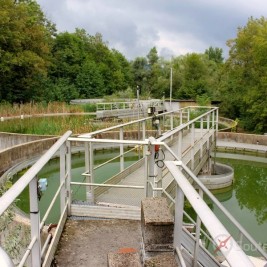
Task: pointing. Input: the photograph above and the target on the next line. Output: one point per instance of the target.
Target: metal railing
(178, 123)
(38, 255)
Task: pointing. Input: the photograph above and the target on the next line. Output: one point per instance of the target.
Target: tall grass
(57, 125)
(9, 110)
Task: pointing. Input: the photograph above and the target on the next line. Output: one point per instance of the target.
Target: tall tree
(215, 54)
(25, 43)
(245, 92)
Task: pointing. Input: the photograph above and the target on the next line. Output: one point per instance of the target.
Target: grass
(9, 110)
(57, 125)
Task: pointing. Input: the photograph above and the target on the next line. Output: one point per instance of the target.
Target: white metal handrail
(91, 134)
(30, 178)
(9, 197)
(233, 254)
(217, 203)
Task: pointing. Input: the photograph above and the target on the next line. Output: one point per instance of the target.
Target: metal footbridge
(169, 149)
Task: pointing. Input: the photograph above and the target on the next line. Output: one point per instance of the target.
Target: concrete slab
(86, 243)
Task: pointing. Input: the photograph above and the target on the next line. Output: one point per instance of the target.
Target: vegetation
(13, 235)
(39, 64)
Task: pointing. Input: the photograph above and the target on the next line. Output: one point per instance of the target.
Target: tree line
(37, 63)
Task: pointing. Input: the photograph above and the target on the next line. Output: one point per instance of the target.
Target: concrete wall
(12, 139)
(12, 156)
(243, 138)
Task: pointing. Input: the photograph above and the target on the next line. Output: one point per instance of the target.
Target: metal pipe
(52, 204)
(27, 253)
(109, 185)
(5, 260)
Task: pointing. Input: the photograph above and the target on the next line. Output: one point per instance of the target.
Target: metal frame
(152, 184)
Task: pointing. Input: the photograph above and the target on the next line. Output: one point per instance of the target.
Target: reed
(9, 110)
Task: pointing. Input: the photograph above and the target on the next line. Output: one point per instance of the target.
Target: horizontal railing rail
(217, 203)
(34, 249)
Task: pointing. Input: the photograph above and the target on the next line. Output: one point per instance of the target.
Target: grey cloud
(134, 27)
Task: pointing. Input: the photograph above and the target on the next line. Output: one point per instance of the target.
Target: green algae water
(246, 199)
(52, 174)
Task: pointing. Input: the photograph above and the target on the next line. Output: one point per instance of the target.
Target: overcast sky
(174, 27)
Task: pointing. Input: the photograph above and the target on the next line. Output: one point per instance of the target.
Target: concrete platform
(87, 243)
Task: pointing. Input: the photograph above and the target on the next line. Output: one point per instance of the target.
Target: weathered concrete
(157, 225)
(242, 138)
(87, 243)
(12, 156)
(8, 140)
(124, 257)
(222, 178)
(165, 259)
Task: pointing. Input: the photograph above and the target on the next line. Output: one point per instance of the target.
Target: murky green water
(51, 172)
(246, 200)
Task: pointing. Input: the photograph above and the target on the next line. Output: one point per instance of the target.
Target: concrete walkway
(132, 197)
(241, 146)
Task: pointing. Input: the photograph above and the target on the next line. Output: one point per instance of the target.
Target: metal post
(62, 176)
(181, 116)
(146, 174)
(35, 223)
(217, 119)
(178, 220)
(201, 140)
(197, 236)
(68, 188)
(192, 151)
(121, 151)
(151, 170)
(144, 137)
(87, 169)
(91, 168)
(171, 90)
(180, 144)
(188, 116)
(171, 121)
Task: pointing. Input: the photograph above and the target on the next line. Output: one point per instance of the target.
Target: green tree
(25, 43)
(243, 89)
(194, 78)
(215, 54)
(89, 81)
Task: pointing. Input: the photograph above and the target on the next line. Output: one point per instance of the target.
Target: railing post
(188, 117)
(197, 236)
(35, 223)
(217, 119)
(146, 174)
(89, 171)
(181, 116)
(63, 149)
(91, 168)
(201, 140)
(68, 180)
(192, 143)
(180, 144)
(171, 121)
(208, 122)
(151, 171)
(178, 220)
(121, 150)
